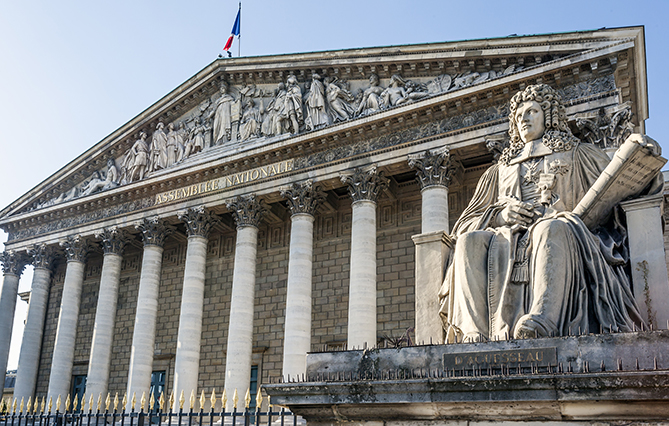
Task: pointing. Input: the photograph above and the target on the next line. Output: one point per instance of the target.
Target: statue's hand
(516, 212)
(647, 143)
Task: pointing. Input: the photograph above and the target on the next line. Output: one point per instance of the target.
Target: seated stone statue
(524, 265)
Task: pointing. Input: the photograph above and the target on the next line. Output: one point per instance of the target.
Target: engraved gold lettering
(263, 171)
(257, 174)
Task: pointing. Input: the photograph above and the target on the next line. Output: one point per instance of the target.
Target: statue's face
(530, 121)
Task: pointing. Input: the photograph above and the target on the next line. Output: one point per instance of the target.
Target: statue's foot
(528, 328)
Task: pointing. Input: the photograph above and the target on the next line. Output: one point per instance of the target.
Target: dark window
(253, 387)
(78, 389)
(158, 387)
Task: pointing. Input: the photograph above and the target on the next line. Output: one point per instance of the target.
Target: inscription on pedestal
(525, 357)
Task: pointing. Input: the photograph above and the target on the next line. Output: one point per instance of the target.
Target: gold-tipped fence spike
(213, 400)
(51, 403)
(29, 404)
(21, 406)
(142, 402)
(224, 400)
(14, 406)
(161, 401)
(235, 399)
(43, 406)
(75, 402)
(202, 400)
(191, 400)
(133, 401)
(116, 402)
(68, 402)
(83, 402)
(57, 403)
(36, 406)
(171, 400)
(269, 403)
(258, 399)
(247, 398)
(152, 402)
(182, 399)
(107, 402)
(124, 401)
(91, 403)
(99, 401)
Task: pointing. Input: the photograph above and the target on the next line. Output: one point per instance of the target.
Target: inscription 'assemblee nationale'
(225, 182)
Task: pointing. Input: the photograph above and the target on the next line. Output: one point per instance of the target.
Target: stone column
(31, 345)
(187, 364)
(12, 267)
(302, 200)
(76, 249)
(435, 170)
(247, 212)
(154, 231)
(364, 186)
(113, 244)
(647, 258)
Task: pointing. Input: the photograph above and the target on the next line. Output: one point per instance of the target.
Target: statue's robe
(556, 275)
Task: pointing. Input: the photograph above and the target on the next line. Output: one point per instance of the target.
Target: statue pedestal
(432, 251)
(647, 258)
(578, 380)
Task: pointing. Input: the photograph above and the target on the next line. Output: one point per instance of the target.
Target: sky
(72, 72)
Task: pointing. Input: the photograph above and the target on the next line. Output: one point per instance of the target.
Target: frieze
(489, 114)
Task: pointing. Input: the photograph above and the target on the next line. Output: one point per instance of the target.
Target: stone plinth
(587, 379)
(432, 249)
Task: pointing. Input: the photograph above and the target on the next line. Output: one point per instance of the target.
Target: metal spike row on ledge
(636, 328)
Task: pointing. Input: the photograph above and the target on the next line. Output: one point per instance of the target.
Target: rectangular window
(253, 387)
(78, 389)
(158, 387)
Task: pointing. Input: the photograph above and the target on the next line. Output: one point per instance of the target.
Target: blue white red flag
(235, 30)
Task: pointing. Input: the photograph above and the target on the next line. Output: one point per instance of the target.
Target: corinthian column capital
(365, 183)
(42, 255)
(198, 220)
(434, 167)
(303, 197)
(113, 239)
(13, 262)
(76, 248)
(154, 231)
(247, 210)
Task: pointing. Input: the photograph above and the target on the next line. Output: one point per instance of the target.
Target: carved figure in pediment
(251, 120)
(222, 116)
(174, 146)
(101, 182)
(158, 149)
(371, 98)
(525, 264)
(440, 84)
(339, 100)
(316, 106)
(293, 102)
(465, 79)
(195, 142)
(273, 123)
(139, 155)
(395, 93)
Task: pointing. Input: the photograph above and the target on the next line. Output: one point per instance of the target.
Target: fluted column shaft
(31, 345)
(113, 243)
(187, 363)
(154, 233)
(247, 213)
(12, 266)
(364, 187)
(434, 209)
(302, 200)
(66, 333)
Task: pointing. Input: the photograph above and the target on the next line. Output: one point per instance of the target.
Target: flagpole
(239, 45)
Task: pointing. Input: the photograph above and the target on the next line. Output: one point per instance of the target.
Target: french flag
(235, 30)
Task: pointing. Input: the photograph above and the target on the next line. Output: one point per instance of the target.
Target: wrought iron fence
(42, 413)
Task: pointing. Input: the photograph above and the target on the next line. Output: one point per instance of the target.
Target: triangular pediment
(345, 97)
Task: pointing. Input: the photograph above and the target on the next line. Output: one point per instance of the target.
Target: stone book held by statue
(632, 168)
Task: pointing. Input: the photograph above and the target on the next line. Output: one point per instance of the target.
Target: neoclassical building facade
(273, 205)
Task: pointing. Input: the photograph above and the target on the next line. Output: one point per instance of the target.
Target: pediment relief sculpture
(536, 255)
